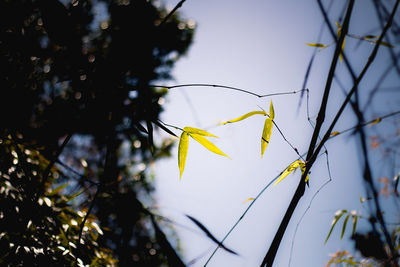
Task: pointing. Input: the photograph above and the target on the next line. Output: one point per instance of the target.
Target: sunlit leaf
(266, 135)
(303, 169)
(271, 111)
(378, 120)
(58, 189)
(75, 195)
(207, 144)
(316, 45)
(339, 31)
(192, 130)
(339, 26)
(341, 51)
(385, 44)
(338, 215)
(369, 37)
(247, 200)
(335, 133)
(344, 226)
(182, 151)
(288, 170)
(245, 116)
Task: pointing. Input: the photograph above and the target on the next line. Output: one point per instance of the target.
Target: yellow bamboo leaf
(271, 111)
(303, 169)
(385, 44)
(245, 116)
(339, 26)
(369, 37)
(335, 133)
(316, 45)
(266, 135)
(207, 144)
(292, 167)
(182, 151)
(341, 51)
(378, 120)
(198, 131)
(247, 200)
(339, 31)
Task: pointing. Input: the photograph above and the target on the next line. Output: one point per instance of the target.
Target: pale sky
(259, 46)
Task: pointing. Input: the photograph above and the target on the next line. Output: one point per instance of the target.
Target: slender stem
(227, 87)
(169, 125)
(284, 138)
(179, 5)
(244, 214)
(366, 123)
(310, 203)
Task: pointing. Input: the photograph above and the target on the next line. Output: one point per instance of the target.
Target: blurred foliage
(371, 249)
(77, 113)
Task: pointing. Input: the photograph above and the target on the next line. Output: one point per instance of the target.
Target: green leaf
(266, 135)
(344, 226)
(182, 151)
(207, 144)
(245, 116)
(316, 45)
(271, 111)
(355, 218)
(338, 215)
(58, 189)
(71, 197)
(288, 170)
(192, 130)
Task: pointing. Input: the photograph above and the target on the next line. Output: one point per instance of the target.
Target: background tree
(77, 116)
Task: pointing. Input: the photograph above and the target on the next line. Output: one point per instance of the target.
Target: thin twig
(169, 125)
(245, 212)
(226, 87)
(310, 203)
(53, 160)
(179, 5)
(365, 123)
(284, 138)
